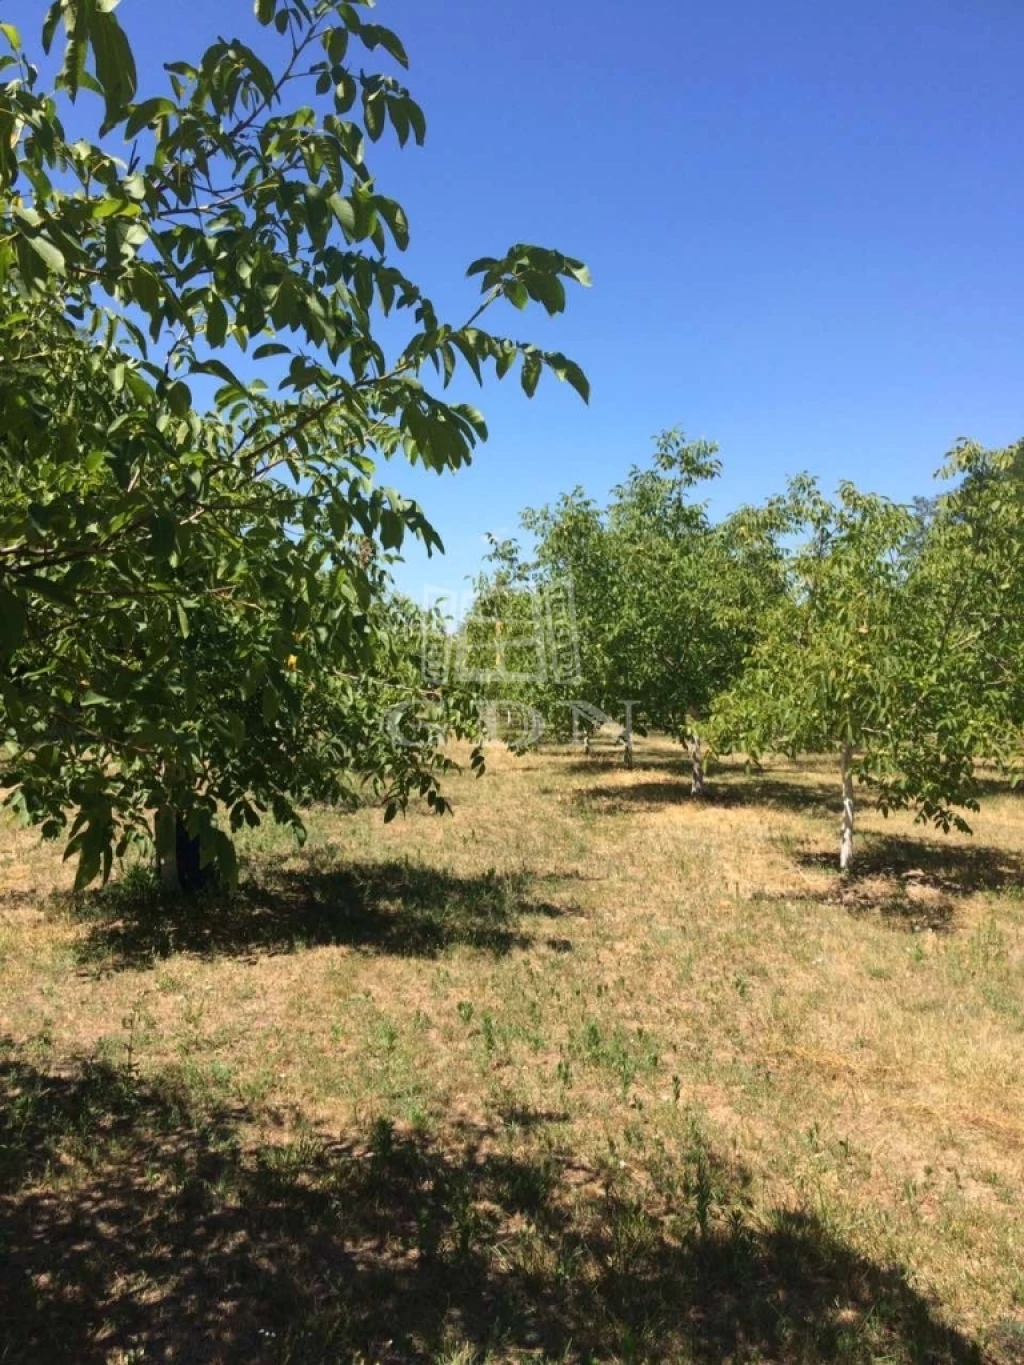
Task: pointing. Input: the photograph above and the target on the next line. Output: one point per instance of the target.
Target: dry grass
(589, 1072)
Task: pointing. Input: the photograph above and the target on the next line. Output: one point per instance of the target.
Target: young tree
(883, 652)
(971, 567)
(518, 646)
(190, 593)
(694, 591)
(668, 603)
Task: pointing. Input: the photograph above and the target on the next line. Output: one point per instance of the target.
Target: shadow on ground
(912, 884)
(960, 869)
(989, 787)
(774, 792)
(18, 900)
(134, 1227)
(393, 907)
(729, 785)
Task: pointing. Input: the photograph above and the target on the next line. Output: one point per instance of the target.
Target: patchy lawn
(590, 1072)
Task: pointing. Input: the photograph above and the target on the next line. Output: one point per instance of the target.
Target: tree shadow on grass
(134, 1226)
(395, 907)
(959, 869)
(895, 905)
(912, 884)
(604, 763)
(989, 787)
(18, 900)
(771, 792)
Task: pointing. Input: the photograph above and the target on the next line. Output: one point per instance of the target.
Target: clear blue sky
(805, 223)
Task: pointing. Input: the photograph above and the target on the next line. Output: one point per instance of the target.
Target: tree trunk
(192, 874)
(178, 857)
(166, 845)
(846, 835)
(697, 766)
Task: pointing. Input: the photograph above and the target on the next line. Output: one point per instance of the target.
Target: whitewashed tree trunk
(846, 833)
(697, 766)
(627, 734)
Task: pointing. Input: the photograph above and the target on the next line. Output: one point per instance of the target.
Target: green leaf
(516, 293)
(373, 114)
(376, 35)
(570, 373)
(221, 371)
(51, 257)
(13, 618)
(547, 290)
(417, 120)
(468, 344)
(344, 211)
(227, 859)
(270, 348)
(392, 530)
(179, 398)
(270, 703)
(531, 371)
(48, 589)
(147, 112)
(53, 15)
(216, 322)
(578, 380)
(394, 215)
(163, 530)
(88, 867)
(115, 64)
(76, 49)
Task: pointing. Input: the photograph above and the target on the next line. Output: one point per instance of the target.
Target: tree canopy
(667, 602)
(194, 392)
(885, 634)
(892, 646)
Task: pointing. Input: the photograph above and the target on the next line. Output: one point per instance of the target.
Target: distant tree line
(889, 635)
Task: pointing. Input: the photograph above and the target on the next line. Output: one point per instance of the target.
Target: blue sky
(805, 224)
(804, 220)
